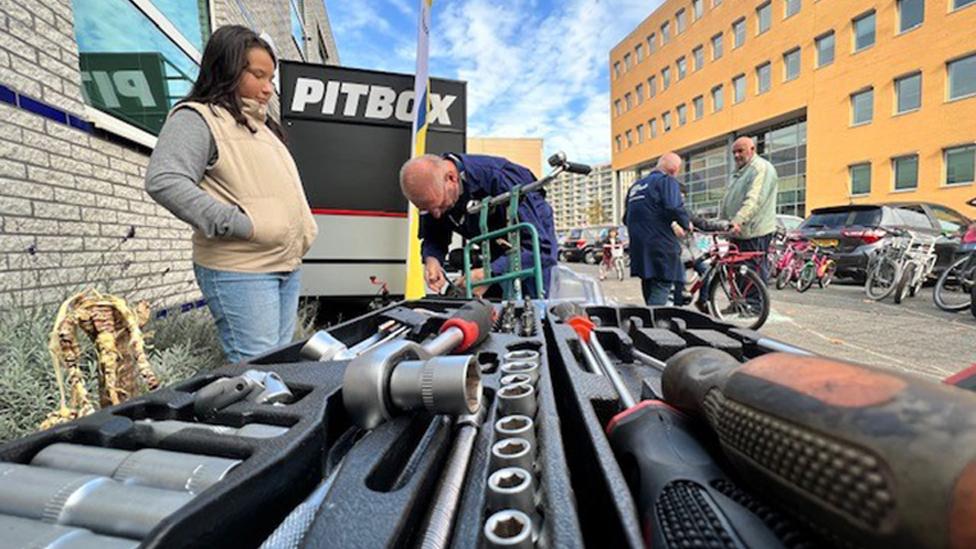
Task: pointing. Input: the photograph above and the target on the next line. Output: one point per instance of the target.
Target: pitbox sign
(350, 129)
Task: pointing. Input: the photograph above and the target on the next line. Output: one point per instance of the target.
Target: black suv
(856, 231)
(587, 244)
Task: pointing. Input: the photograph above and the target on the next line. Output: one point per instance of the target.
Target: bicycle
(919, 261)
(820, 267)
(613, 259)
(733, 291)
(954, 288)
(884, 269)
(790, 262)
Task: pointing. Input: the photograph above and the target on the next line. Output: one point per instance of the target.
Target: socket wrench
(530, 369)
(516, 426)
(159, 430)
(512, 452)
(509, 529)
(517, 399)
(511, 488)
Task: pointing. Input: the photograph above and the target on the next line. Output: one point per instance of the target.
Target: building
(855, 101)
(581, 200)
(525, 151)
(84, 88)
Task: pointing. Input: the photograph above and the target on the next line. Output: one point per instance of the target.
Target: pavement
(841, 322)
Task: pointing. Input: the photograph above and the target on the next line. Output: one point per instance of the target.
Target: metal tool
(530, 369)
(21, 532)
(403, 375)
(528, 319)
(508, 318)
(517, 399)
(521, 355)
(160, 429)
(514, 379)
(323, 346)
(512, 452)
(575, 316)
(516, 426)
(510, 529)
(511, 488)
(255, 386)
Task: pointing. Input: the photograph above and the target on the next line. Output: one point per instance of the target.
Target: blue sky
(534, 68)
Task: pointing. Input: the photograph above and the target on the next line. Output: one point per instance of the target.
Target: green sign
(129, 86)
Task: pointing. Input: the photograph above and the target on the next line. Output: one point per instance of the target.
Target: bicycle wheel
(618, 264)
(829, 273)
(784, 277)
(952, 290)
(807, 275)
(737, 295)
(883, 278)
(904, 282)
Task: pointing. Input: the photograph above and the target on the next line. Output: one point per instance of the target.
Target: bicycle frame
(718, 259)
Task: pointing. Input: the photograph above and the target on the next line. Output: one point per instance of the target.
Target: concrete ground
(842, 322)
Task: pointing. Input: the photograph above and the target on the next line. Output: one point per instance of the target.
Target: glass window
(618, 142)
(639, 92)
(825, 49)
(962, 77)
(960, 164)
(665, 33)
(616, 107)
(718, 98)
(616, 69)
(862, 107)
(698, 6)
(665, 77)
(627, 62)
(630, 138)
(666, 119)
(956, 4)
(699, 55)
(717, 46)
(906, 172)
(653, 125)
(629, 100)
(682, 67)
(682, 114)
(864, 32)
(763, 17)
(908, 93)
(652, 86)
(860, 179)
(950, 221)
(739, 33)
(297, 26)
(912, 216)
(763, 78)
(639, 52)
(791, 64)
(699, 103)
(652, 43)
(739, 88)
(130, 68)
(680, 21)
(911, 14)
(640, 133)
(792, 7)
(717, 3)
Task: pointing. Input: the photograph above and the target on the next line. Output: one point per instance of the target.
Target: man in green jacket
(750, 202)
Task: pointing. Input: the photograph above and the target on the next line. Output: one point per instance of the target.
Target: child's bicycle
(791, 262)
(613, 258)
(733, 291)
(820, 266)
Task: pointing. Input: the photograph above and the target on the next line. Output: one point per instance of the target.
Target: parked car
(586, 244)
(786, 223)
(856, 231)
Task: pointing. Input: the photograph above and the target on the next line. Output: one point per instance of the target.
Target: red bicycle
(790, 264)
(732, 290)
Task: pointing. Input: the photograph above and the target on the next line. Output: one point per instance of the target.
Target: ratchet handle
(474, 319)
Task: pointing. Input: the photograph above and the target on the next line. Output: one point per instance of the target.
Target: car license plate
(825, 243)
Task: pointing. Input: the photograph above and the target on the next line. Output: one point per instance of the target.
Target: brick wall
(73, 205)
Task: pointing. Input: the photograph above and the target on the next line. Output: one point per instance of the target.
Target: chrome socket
(515, 379)
(441, 385)
(21, 532)
(530, 369)
(521, 355)
(512, 452)
(511, 488)
(509, 529)
(159, 430)
(517, 400)
(516, 426)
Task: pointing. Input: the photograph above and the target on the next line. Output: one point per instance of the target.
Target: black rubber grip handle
(475, 319)
(574, 167)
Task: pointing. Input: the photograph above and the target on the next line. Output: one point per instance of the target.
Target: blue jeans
(254, 312)
(656, 290)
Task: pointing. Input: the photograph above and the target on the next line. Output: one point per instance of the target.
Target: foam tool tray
(683, 497)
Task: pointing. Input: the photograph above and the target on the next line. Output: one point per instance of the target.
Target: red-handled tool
(467, 327)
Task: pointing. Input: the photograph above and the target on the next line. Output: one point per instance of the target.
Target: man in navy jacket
(441, 188)
(653, 203)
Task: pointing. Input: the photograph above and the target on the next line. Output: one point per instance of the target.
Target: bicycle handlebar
(557, 161)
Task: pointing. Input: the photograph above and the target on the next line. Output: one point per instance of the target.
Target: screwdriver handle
(474, 319)
(876, 457)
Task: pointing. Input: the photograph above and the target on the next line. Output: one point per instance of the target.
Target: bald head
(669, 163)
(743, 149)
(430, 183)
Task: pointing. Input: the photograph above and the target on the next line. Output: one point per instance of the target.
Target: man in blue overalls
(653, 203)
(442, 187)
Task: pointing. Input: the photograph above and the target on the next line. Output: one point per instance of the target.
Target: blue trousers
(656, 290)
(254, 312)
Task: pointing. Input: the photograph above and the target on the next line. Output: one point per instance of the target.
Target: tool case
(381, 494)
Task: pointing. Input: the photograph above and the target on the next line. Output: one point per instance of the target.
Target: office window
(792, 8)
(682, 114)
(906, 172)
(682, 65)
(863, 32)
(616, 69)
(718, 98)
(652, 43)
(739, 88)
(960, 163)
(665, 78)
(860, 179)
(825, 49)
(132, 69)
(639, 92)
(763, 78)
(698, 7)
(739, 33)
(862, 107)
(763, 17)
(618, 143)
(652, 86)
(666, 119)
(956, 4)
(629, 101)
(699, 104)
(627, 62)
(962, 77)
(653, 127)
(911, 14)
(297, 26)
(630, 138)
(717, 47)
(616, 107)
(791, 64)
(717, 3)
(640, 133)
(699, 55)
(908, 93)
(680, 21)
(639, 52)
(665, 33)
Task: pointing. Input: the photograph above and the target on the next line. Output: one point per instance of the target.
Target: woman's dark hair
(224, 62)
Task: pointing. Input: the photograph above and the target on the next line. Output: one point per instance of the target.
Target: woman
(221, 165)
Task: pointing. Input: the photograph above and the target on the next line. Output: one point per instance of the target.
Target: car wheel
(562, 257)
(590, 258)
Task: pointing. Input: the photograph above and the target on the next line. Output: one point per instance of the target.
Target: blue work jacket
(482, 177)
(652, 204)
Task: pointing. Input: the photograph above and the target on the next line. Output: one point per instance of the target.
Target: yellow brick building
(852, 100)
